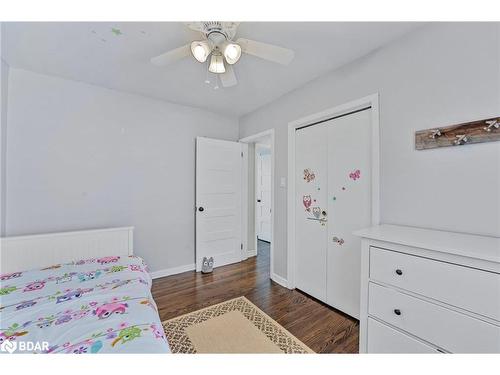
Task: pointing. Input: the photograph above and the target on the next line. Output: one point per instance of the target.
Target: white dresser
(427, 291)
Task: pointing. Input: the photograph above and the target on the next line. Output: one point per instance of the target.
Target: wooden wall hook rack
(480, 131)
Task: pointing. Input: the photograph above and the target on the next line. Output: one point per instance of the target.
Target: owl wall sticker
(316, 212)
(306, 200)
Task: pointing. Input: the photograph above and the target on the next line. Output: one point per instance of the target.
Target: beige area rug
(234, 326)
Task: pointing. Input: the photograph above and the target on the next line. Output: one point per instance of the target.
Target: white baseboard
(172, 271)
(251, 253)
(280, 280)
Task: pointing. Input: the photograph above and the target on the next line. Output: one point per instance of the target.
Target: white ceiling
(92, 53)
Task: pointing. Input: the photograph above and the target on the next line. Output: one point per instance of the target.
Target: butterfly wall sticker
(355, 175)
(309, 175)
(338, 240)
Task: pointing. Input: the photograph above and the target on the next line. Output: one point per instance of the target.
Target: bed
(99, 302)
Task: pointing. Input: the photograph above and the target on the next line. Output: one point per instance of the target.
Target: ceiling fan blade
(228, 78)
(266, 51)
(171, 56)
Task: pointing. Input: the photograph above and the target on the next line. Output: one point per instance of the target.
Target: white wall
(4, 86)
(440, 75)
(80, 156)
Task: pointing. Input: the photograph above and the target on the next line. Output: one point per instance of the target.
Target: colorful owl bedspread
(101, 305)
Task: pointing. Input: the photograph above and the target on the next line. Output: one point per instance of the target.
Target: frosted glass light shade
(232, 53)
(200, 50)
(217, 64)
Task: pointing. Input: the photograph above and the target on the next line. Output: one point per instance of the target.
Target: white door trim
(251, 139)
(373, 102)
(255, 186)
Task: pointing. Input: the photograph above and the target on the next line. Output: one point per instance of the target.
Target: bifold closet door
(333, 199)
(310, 210)
(349, 206)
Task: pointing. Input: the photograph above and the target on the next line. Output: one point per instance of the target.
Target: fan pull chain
(216, 87)
(207, 78)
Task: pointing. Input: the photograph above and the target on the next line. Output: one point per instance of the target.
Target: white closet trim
(250, 139)
(368, 101)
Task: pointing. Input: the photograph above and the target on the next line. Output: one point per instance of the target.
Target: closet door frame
(343, 109)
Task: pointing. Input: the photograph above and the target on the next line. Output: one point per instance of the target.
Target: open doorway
(260, 197)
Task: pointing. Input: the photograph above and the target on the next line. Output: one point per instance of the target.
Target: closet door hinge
(241, 153)
(241, 246)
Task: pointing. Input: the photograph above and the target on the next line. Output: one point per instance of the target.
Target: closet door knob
(399, 272)
(397, 311)
(201, 209)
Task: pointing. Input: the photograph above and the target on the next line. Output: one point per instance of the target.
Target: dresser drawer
(385, 339)
(468, 288)
(445, 328)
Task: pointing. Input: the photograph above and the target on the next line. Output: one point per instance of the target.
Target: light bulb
(232, 53)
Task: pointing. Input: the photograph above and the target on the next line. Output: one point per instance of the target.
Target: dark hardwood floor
(323, 329)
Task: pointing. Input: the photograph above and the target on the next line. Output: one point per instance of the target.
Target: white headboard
(43, 250)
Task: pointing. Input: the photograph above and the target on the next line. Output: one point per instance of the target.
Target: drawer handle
(399, 272)
(397, 311)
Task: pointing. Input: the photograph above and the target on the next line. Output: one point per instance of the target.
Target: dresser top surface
(468, 245)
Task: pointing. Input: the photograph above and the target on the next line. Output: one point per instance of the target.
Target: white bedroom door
(264, 195)
(218, 201)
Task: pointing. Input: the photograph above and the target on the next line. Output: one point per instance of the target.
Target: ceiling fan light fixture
(200, 50)
(217, 63)
(232, 53)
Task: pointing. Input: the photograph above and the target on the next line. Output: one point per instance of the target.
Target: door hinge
(241, 153)
(241, 247)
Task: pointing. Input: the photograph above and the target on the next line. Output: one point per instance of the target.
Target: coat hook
(435, 133)
(462, 139)
(491, 124)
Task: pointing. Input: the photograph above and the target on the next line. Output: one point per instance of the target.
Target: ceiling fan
(218, 44)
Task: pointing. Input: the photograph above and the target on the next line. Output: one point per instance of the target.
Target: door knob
(399, 272)
(201, 209)
(258, 200)
(397, 311)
